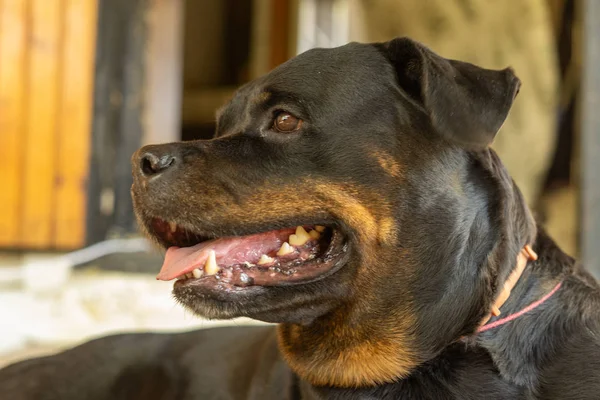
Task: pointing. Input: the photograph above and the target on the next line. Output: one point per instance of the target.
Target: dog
(351, 197)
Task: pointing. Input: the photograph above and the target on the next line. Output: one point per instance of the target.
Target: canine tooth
(319, 228)
(300, 238)
(265, 259)
(285, 249)
(173, 226)
(197, 273)
(314, 235)
(211, 267)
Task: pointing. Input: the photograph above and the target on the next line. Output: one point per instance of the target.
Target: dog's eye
(286, 122)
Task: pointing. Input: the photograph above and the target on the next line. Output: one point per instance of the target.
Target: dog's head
(349, 194)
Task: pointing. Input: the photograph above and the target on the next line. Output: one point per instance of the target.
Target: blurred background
(84, 83)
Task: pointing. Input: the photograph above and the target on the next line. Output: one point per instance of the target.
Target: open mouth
(273, 258)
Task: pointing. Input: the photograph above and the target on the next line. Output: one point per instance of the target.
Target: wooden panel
(40, 132)
(12, 63)
(280, 19)
(204, 42)
(74, 122)
(199, 106)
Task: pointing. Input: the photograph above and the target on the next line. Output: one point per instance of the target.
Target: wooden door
(47, 52)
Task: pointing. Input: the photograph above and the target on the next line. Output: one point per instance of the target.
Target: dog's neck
(517, 347)
(525, 255)
(527, 283)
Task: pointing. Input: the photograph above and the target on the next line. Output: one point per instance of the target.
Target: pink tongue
(228, 251)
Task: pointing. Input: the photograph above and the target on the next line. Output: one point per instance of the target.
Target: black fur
(458, 222)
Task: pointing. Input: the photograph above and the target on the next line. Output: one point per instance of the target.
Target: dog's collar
(525, 255)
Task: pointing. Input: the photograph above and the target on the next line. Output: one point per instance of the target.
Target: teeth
(244, 278)
(285, 249)
(300, 238)
(265, 259)
(319, 228)
(173, 226)
(197, 273)
(314, 235)
(190, 275)
(211, 267)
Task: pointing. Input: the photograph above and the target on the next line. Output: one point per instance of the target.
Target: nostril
(152, 164)
(147, 168)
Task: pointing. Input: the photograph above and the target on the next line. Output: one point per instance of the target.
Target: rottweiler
(351, 197)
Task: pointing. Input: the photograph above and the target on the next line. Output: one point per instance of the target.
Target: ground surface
(38, 318)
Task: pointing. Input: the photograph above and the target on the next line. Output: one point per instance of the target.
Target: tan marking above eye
(261, 97)
(286, 122)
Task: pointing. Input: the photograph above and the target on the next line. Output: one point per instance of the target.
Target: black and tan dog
(351, 197)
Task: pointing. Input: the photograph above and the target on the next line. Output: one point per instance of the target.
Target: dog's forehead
(318, 77)
(352, 63)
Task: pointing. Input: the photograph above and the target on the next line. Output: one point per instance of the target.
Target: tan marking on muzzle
(344, 202)
(311, 197)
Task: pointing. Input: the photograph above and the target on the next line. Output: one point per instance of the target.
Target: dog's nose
(154, 160)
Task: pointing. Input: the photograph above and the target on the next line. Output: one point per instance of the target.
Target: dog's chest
(456, 374)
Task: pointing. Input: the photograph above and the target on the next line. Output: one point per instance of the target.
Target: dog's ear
(466, 104)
